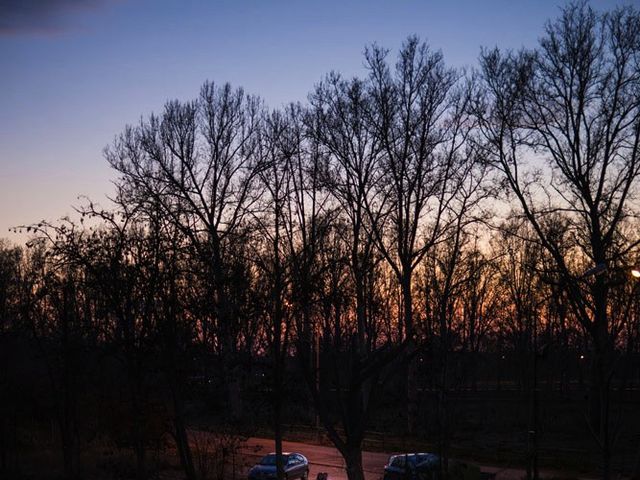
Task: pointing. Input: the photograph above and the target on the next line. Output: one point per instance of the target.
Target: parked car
(411, 466)
(426, 466)
(295, 465)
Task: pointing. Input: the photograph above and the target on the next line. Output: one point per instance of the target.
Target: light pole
(635, 475)
(317, 379)
(532, 467)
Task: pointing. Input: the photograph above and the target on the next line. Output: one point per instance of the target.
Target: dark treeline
(357, 261)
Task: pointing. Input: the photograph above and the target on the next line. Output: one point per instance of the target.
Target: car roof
(416, 454)
(420, 457)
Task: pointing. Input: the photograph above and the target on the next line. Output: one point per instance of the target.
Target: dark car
(295, 465)
(411, 466)
(426, 466)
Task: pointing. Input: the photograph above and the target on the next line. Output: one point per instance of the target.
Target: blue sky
(75, 72)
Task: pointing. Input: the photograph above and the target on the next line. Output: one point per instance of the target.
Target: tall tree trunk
(278, 395)
(182, 439)
(599, 388)
(412, 365)
(353, 459)
(138, 428)
(277, 429)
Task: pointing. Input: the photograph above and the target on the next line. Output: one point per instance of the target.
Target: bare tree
(573, 105)
(57, 321)
(273, 258)
(12, 283)
(419, 119)
(198, 163)
(343, 155)
(444, 284)
(481, 300)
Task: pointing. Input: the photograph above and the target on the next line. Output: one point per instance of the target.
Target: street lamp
(598, 270)
(602, 268)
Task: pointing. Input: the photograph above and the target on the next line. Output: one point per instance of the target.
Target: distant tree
(58, 319)
(518, 266)
(481, 301)
(272, 258)
(147, 282)
(14, 303)
(169, 279)
(10, 268)
(117, 267)
(443, 284)
(418, 116)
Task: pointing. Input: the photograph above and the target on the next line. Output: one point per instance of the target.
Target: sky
(74, 73)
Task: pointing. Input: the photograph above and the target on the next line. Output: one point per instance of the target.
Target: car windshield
(421, 459)
(271, 459)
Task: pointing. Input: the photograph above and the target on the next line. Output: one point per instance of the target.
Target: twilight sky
(75, 72)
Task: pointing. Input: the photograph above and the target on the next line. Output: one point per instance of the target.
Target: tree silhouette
(573, 104)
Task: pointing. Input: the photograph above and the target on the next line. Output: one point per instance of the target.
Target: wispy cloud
(19, 17)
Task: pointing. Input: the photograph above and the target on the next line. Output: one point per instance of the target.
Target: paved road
(327, 459)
